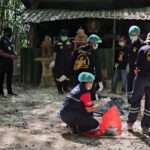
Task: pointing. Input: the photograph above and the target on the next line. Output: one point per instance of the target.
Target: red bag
(111, 119)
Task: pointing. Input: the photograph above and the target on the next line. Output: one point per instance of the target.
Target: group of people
(83, 65)
(76, 110)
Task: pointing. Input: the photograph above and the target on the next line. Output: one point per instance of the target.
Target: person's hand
(100, 86)
(52, 64)
(116, 65)
(13, 57)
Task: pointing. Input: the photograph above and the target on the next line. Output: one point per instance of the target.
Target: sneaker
(129, 127)
(12, 94)
(145, 131)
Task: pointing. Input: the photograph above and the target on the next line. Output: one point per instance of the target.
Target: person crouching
(77, 109)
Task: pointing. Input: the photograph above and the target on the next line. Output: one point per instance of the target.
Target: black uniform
(91, 64)
(6, 64)
(63, 52)
(73, 110)
(133, 50)
(141, 85)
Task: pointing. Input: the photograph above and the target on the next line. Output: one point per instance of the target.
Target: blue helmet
(94, 38)
(86, 77)
(133, 30)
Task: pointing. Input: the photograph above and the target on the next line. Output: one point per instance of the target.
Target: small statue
(46, 47)
(80, 38)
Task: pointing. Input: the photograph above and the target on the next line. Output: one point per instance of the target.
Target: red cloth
(86, 99)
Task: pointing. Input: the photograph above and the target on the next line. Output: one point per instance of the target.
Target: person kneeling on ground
(77, 109)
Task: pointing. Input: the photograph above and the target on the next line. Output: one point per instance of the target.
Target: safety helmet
(86, 77)
(133, 30)
(94, 38)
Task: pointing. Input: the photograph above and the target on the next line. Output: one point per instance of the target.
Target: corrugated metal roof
(43, 15)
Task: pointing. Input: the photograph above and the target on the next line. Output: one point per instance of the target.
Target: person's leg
(135, 100)
(65, 85)
(146, 118)
(131, 76)
(9, 72)
(93, 92)
(115, 80)
(124, 80)
(2, 76)
(86, 123)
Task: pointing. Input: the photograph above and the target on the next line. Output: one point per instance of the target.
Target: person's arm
(92, 108)
(6, 55)
(89, 105)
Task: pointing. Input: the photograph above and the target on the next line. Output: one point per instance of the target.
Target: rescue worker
(61, 61)
(141, 85)
(136, 44)
(76, 110)
(7, 56)
(121, 72)
(86, 59)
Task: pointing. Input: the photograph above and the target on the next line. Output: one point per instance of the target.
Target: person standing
(121, 72)
(141, 85)
(86, 59)
(7, 56)
(61, 61)
(136, 44)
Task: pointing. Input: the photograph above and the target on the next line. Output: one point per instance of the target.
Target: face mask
(95, 46)
(133, 38)
(89, 87)
(64, 38)
(121, 44)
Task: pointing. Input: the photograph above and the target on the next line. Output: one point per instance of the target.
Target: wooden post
(114, 40)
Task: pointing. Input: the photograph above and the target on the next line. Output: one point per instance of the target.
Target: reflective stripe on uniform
(147, 114)
(59, 43)
(148, 111)
(134, 110)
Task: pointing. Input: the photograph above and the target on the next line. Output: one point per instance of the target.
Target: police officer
(136, 44)
(61, 62)
(141, 85)
(86, 59)
(121, 72)
(76, 110)
(7, 56)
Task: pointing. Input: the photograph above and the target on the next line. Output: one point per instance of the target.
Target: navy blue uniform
(63, 61)
(91, 64)
(6, 64)
(141, 85)
(133, 50)
(73, 110)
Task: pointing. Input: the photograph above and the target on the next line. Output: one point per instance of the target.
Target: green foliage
(10, 15)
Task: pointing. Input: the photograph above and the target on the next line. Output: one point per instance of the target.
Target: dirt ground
(31, 121)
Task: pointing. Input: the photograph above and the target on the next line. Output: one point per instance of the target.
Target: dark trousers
(131, 76)
(62, 85)
(119, 75)
(141, 85)
(8, 71)
(82, 122)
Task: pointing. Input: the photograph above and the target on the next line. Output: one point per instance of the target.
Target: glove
(52, 64)
(62, 78)
(100, 86)
(116, 65)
